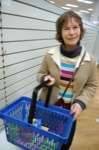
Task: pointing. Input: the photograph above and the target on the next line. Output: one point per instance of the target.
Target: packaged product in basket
(38, 123)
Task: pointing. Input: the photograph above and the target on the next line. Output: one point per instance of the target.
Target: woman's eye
(66, 28)
(75, 27)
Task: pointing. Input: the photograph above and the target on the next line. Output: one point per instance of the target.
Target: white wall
(28, 31)
(89, 40)
(96, 48)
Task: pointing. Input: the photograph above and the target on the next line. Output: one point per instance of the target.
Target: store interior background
(27, 32)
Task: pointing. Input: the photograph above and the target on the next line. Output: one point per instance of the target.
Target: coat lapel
(55, 54)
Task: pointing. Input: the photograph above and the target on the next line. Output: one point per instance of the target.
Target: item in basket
(48, 144)
(37, 140)
(44, 128)
(37, 122)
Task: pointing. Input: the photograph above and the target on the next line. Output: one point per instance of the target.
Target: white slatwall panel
(90, 38)
(29, 23)
(22, 9)
(28, 32)
(1, 65)
(2, 91)
(11, 48)
(96, 48)
(15, 35)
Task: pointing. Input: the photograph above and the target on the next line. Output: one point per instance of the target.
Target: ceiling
(82, 9)
(81, 6)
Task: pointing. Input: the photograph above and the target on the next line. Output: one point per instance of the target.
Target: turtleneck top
(71, 52)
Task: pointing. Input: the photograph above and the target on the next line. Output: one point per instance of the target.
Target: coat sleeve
(88, 91)
(43, 70)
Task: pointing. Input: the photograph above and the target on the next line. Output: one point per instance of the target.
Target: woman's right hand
(50, 79)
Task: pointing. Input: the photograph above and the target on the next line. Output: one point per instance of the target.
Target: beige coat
(85, 82)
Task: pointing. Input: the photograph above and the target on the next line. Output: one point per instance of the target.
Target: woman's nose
(71, 31)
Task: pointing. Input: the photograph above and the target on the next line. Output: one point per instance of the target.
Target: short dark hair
(64, 19)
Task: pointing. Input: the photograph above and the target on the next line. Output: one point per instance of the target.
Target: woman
(69, 68)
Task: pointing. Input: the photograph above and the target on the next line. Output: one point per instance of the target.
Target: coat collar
(55, 54)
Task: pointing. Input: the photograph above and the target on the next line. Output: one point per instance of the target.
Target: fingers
(76, 110)
(50, 78)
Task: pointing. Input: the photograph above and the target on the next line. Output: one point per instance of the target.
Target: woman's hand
(76, 110)
(50, 79)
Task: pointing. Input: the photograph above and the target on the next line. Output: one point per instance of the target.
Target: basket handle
(34, 99)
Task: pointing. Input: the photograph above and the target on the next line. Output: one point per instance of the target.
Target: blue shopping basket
(54, 130)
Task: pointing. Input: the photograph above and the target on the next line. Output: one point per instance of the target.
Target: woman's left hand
(76, 110)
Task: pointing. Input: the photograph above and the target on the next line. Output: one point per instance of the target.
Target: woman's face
(71, 33)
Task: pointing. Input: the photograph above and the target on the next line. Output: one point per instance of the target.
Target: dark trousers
(70, 139)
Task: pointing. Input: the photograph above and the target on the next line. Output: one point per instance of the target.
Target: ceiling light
(52, 2)
(85, 1)
(71, 5)
(84, 11)
(96, 22)
(66, 7)
(90, 9)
